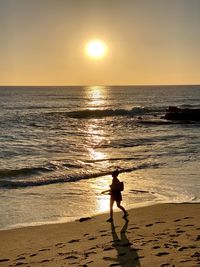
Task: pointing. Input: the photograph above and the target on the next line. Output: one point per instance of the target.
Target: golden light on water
(96, 133)
(97, 95)
(96, 136)
(96, 155)
(96, 49)
(104, 203)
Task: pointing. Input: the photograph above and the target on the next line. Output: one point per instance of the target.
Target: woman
(115, 195)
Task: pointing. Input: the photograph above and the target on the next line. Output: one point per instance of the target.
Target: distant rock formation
(187, 114)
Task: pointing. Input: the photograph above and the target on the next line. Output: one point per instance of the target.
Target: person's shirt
(115, 185)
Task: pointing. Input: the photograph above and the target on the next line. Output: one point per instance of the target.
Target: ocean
(59, 145)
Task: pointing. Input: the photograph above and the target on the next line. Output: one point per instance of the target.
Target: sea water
(59, 145)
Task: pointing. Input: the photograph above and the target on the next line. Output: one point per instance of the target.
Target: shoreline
(156, 235)
(73, 219)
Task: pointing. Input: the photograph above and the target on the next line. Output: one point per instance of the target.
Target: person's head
(115, 174)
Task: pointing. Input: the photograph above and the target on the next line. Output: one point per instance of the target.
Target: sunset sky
(42, 42)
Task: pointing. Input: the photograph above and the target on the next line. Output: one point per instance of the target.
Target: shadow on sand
(126, 255)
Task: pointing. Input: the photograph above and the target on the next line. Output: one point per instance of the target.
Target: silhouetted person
(115, 195)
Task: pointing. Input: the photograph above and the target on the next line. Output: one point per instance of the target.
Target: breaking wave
(67, 178)
(23, 171)
(100, 113)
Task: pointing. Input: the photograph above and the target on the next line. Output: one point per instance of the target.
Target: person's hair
(115, 173)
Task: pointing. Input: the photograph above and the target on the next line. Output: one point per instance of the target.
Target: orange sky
(149, 42)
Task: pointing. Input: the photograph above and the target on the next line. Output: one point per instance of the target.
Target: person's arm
(106, 191)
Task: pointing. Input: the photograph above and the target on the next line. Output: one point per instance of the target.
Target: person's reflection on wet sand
(126, 255)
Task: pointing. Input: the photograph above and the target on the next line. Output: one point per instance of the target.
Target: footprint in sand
(161, 234)
(149, 225)
(92, 238)
(168, 245)
(177, 220)
(92, 248)
(21, 255)
(193, 246)
(196, 255)
(189, 225)
(20, 258)
(159, 222)
(156, 247)
(43, 261)
(174, 235)
(74, 240)
(86, 234)
(89, 253)
(197, 238)
(182, 248)
(180, 231)
(162, 254)
(84, 219)
(134, 228)
(34, 254)
(4, 260)
(44, 249)
(104, 235)
(72, 257)
(108, 248)
(185, 218)
(60, 245)
(185, 260)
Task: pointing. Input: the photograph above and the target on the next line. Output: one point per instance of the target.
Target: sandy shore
(160, 235)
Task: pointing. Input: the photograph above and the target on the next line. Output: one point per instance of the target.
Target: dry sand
(159, 235)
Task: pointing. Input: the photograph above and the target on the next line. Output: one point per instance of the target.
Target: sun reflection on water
(98, 156)
(96, 136)
(103, 204)
(102, 200)
(97, 96)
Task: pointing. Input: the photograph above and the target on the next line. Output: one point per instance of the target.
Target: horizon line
(86, 85)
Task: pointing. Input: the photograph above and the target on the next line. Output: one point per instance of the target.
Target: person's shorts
(116, 196)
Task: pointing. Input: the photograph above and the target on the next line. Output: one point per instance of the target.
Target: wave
(100, 113)
(23, 171)
(29, 171)
(10, 184)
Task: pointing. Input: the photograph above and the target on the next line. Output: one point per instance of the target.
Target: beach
(158, 235)
(58, 149)
(93, 91)
(59, 146)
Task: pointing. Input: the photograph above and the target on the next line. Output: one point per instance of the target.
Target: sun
(96, 49)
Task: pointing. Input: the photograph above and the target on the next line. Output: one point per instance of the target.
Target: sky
(42, 42)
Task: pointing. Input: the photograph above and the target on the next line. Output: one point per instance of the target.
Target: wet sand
(159, 235)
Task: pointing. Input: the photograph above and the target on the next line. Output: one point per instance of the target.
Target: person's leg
(121, 207)
(111, 210)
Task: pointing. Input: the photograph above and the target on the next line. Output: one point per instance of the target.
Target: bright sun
(96, 49)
